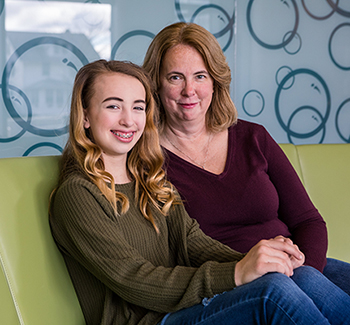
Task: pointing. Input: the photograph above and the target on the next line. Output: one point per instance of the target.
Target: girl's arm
(85, 228)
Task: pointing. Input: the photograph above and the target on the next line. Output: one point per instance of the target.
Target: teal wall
(290, 61)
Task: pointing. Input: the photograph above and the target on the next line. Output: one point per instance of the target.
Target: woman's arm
(296, 210)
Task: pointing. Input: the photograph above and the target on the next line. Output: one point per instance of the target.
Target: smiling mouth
(188, 105)
(123, 135)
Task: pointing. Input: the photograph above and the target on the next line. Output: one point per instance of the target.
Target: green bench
(35, 288)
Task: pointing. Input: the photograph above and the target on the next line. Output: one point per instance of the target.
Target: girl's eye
(139, 108)
(113, 106)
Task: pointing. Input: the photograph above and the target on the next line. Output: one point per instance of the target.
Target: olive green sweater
(122, 271)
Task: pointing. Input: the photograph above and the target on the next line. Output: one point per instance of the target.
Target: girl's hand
(274, 255)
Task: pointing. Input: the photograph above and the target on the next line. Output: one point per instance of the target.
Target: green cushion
(34, 270)
(34, 284)
(326, 174)
(6, 302)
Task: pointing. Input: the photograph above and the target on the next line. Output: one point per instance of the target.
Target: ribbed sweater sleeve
(122, 259)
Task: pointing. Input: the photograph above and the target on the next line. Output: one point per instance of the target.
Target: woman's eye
(139, 108)
(174, 78)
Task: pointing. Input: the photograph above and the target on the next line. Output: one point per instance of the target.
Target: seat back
(8, 311)
(326, 174)
(34, 284)
(35, 287)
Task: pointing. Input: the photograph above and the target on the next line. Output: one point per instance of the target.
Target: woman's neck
(198, 146)
(191, 144)
(186, 131)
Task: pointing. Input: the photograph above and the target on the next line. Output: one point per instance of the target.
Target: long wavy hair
(222, 112)
(145, 160)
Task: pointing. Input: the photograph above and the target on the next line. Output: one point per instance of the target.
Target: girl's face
(186, 87)
(116, 114)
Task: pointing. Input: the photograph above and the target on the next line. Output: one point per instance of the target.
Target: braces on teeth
(124, 136)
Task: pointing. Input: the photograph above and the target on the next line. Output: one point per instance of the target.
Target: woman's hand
(274, 255)
(295, 262)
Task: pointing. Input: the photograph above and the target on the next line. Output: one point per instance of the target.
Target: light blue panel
(44, 43)
(293, 68)
(290, 61)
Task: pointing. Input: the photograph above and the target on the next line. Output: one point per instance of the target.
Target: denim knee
(339, 273)
(276, 282)
(307, 276)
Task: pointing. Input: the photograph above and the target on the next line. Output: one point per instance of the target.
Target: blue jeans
(305, 298)
(339, 273)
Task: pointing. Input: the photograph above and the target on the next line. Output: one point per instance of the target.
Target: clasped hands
(278, 254)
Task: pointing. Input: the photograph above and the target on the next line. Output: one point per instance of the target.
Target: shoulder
(248, 131)
(246, 126)
(76, 189)
(78, 200)
(77, 182)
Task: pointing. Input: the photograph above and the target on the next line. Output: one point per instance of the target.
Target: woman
(133, 253)
(233, 177)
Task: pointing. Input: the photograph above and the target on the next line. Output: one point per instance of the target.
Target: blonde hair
(145, 160)
(222, 112)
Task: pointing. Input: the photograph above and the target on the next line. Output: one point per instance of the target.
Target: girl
(134, 255)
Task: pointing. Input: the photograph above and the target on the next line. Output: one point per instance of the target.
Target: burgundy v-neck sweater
(257, 196)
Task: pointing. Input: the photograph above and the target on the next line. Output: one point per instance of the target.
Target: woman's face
(186, 88)
(116, 114)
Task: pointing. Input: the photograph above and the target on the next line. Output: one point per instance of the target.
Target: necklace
(185, 154)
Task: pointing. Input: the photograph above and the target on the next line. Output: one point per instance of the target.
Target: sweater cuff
(222, 281)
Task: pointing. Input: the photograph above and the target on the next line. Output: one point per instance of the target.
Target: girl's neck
(117, 168)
